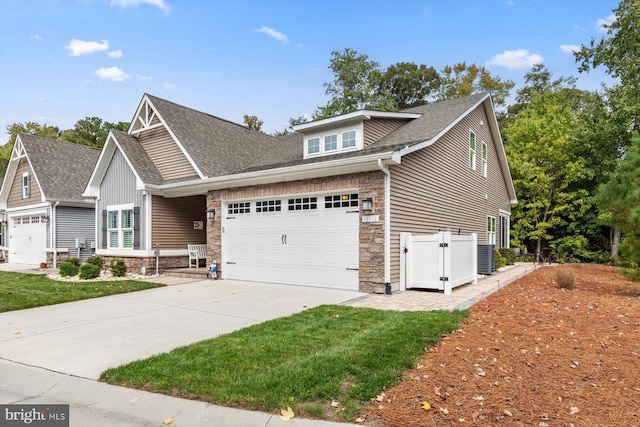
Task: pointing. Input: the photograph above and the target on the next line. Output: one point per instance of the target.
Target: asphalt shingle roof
(138, 157)
(62, 168)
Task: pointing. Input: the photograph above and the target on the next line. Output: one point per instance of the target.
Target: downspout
(387, 226)
(54, 244)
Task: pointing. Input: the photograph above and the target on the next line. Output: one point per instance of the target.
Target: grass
(20, 290)
(306, 361)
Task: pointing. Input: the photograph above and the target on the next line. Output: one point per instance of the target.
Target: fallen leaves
(286, 414)
(426, 405)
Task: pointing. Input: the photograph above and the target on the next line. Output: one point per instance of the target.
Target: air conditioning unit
(80, 243)
(486, 259)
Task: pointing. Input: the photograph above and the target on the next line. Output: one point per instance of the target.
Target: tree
(461, 80)
(354, 87)
(253, 122)
(408, 84)
(544, 168)
(91, 131)
(619, 53)
(620, 198)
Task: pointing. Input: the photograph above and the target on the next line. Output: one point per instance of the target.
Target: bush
(67, 269)
(75, 261)
(566, 278)
(96, 260)
(89, 271)
(499, 260)
(118, 267)
(508, 254)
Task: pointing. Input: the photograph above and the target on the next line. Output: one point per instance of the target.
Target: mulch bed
(531, 354)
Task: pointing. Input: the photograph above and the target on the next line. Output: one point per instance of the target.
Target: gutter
(387, 225)
(53, 233)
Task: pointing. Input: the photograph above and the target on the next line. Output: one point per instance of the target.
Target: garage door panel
(317, 247)
(27, 240)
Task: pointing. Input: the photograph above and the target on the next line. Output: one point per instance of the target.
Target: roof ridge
(59, 141)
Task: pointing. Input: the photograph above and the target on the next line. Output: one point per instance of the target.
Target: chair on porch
(196, 253)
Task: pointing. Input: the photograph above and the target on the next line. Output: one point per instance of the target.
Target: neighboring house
(323, 206)
(46, 216)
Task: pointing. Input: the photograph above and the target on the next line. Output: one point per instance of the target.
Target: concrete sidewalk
(462, 297)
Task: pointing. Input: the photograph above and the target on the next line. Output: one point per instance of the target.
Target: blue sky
(64, 60)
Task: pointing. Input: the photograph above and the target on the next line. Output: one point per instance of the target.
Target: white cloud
(516, 59)
(80, 47)
(569, 48)
(600, 24)
(36, 37)
(115, 54)
(114, 74)
(161, 4)
(273, 33)
(142, 77)
(168, 86)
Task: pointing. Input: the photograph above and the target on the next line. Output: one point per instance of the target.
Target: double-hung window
(26, 185)
(349, 139)
(331, 142)
(120, 227)
(491, 230)
(484, 159)
(313, 146)
(472, 150)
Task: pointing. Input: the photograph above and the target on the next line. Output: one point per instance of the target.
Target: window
(341, 201)
(269, 206)
(349, 139)
(303, 203)
(505, 231)
(491, 230)
(472, 150)
(313, 146)
(239, 208)
(484, 159)
(26, 185)
(120, 227)
(330, 142)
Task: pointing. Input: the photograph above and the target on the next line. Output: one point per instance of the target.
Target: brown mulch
(532, 354)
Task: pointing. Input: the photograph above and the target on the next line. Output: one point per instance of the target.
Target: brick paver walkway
(462, 297)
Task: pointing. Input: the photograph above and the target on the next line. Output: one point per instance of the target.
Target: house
(46, 218)
(322, 206)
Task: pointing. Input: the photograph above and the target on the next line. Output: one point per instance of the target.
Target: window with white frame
(26, 185)
(491, 230)
(484, 159)
(120, 227)
(331, 143)
(472, 150)
(505, 231)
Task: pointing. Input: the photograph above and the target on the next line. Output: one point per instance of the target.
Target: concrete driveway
(84, 338)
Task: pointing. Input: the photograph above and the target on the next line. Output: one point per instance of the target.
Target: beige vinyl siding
(166, 154)
(375, 129)
(172, 221)
(15, 194)
(434, 188)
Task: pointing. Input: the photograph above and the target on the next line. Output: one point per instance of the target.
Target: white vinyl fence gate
(439, 261)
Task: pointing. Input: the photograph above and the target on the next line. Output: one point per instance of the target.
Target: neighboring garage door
(27, 240)
(308, 240)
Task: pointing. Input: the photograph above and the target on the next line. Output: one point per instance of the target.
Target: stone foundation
(135, 264)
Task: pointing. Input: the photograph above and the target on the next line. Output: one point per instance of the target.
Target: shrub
(89, 271)
(96, 260)
(67, 269)
(508, 254)
(499, 260)
(118, 267)
(75, 261)
(566, 278)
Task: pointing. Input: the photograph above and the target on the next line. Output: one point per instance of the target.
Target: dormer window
(313, 145)
(332, 142)
(349, 139)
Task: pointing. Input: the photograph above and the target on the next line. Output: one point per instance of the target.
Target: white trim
(472, 151)
(484, 159)
(504, 213)
(387, 221)
(119, 228)
(356, 115)
(141, 253)
(148, 202)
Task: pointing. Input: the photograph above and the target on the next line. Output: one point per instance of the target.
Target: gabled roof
(217, 146)
(62, 169)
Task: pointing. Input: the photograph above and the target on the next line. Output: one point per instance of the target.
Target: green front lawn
(306, 361)
(20, 290)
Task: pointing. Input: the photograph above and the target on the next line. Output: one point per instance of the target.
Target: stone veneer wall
(368, 185)
(135, 264)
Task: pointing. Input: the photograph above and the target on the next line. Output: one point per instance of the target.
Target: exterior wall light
(367, 204)
(211, 214)
(45, 218)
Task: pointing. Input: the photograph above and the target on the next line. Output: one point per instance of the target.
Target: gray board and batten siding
(72, 223)
(434, 188)
(119, 188)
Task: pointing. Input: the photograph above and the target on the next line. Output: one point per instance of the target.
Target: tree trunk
(615, 243)
(539, 249)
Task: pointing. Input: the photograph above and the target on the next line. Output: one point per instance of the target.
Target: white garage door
(27, 240)
(309, 240)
